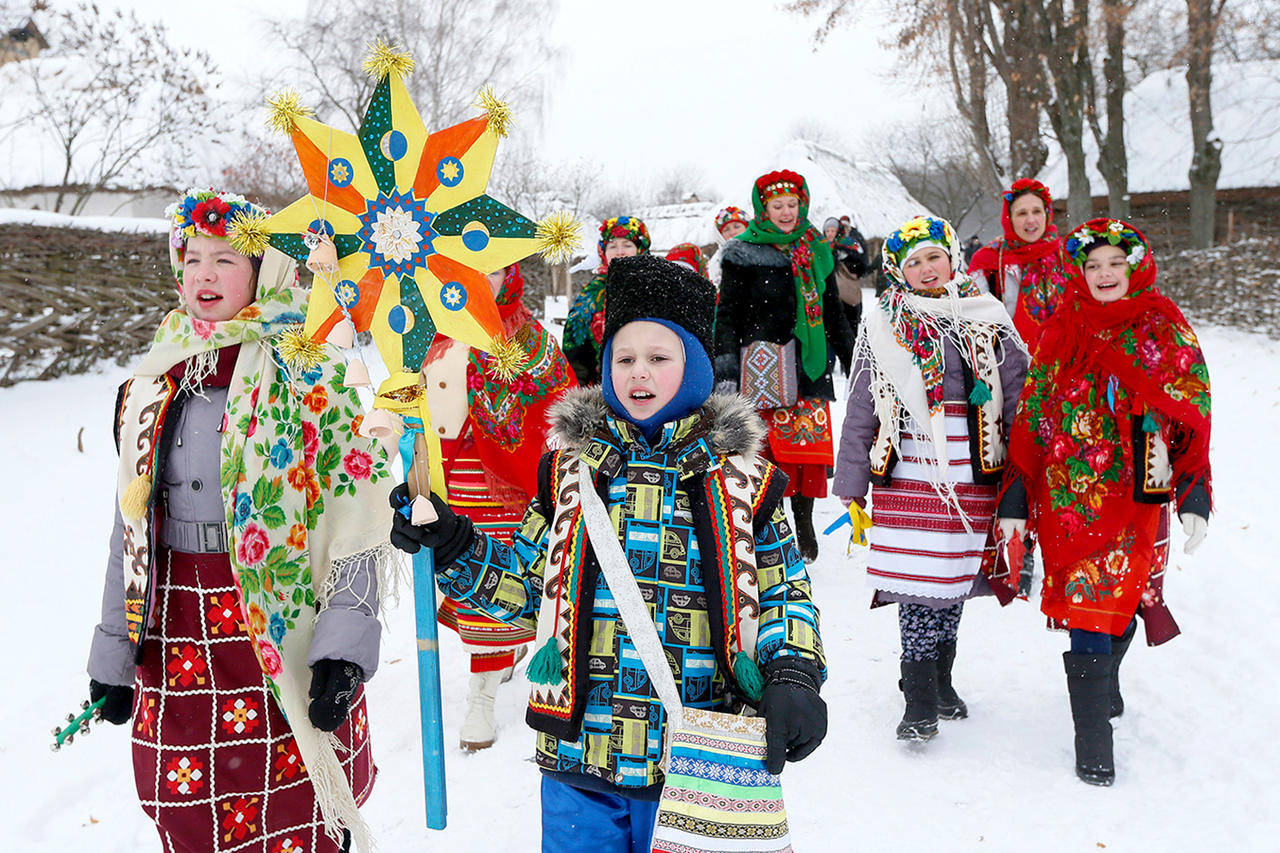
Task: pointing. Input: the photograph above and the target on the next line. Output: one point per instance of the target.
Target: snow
(46, 219)
(1196, 752)
(1246, 116)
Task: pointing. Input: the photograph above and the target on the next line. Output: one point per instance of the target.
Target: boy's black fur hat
(649, 287)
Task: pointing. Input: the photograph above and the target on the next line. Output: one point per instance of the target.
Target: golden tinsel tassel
(507, 359)
(299, 350)
(559, 236)
(133, 504)
(500, 117)
(286, 108)
(248, 234)
(385, 59)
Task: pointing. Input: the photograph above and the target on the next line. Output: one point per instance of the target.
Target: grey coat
(853, 460)
(346, 629)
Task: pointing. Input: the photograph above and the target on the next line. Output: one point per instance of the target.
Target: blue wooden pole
(424, 607)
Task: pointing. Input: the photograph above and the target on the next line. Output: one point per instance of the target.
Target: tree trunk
(1070, 133)
(1027, 151)
(1206, 152)
(1113, 161)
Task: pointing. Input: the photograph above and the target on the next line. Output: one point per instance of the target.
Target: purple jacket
(853, 460)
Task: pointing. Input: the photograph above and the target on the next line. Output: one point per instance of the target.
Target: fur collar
(746, 254)
(735, 426)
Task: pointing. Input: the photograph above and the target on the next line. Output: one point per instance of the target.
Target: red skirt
(215, 763)
(800, 444)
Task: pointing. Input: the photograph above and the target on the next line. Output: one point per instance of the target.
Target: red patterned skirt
(800, 444)
(490, 643)
(214, 760)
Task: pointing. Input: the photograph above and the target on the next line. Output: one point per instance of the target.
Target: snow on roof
(867, 193)
(124, 224)
(1246, 116)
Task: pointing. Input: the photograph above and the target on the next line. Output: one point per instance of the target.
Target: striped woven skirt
(488, 641)
(215, 762)
(919, 545)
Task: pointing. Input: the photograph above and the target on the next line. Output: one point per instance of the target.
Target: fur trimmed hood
(746, 254)
(735, 427)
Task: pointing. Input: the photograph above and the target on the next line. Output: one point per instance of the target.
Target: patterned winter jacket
(700, 519)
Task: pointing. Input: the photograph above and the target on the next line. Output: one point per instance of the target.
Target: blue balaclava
(693, 392)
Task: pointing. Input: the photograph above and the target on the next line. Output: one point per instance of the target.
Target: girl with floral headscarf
(778, 288)
(493, 431)
(620, 237)
(1114, 426)
(239, 616)
(935, 382)
(1026, 268)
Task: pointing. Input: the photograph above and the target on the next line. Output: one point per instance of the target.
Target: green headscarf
(811, 262)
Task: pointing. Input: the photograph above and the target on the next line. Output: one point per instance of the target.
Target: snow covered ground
(1197, 755)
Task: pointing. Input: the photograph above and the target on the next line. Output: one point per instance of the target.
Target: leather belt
(195, 537)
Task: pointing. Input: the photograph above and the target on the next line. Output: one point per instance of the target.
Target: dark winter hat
(646, 287)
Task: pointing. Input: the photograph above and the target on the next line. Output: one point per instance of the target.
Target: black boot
(919, 684)
(1119, 645)
(1089, 686)
(806, 539)
(950, 705)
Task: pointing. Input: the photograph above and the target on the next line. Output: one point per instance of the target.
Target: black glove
(450, 535)
(333, 687)
(119, 705)
(795, 715)
(727, 368)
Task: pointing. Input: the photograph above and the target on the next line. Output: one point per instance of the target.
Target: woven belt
(195, 537)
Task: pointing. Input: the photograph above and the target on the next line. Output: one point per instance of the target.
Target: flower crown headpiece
(731, 214)
(208, 213)
(1114, 232)
(626, 227)
(914, 232)
(782, 182)
(1029, 185)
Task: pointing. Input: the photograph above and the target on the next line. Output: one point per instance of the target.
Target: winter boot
(1089, 686)
(478, 727)
(806, 538)
(950, 705)
(919, 684)
(1119, 645)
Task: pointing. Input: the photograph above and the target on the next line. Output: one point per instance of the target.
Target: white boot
(478, 727)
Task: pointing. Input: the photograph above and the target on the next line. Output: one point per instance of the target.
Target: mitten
(450, 535)
(727, 368)
(333, 687)
(1196, 527)
(795, 715)
(119, 705)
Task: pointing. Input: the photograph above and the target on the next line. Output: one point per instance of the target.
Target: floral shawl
(301, 491)
(585, 322)
(510, 417)
(1102, 370)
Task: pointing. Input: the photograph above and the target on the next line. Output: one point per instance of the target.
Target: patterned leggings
(923, 629)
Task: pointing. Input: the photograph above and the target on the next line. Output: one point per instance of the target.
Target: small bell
(323, 259)
(357, 375)
(381, 424)
(423, 512)
(342, 336)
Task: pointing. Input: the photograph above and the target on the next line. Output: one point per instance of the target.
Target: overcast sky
(647, 86)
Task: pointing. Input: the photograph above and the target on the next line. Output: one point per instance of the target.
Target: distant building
(1246, 117)
(21, 42)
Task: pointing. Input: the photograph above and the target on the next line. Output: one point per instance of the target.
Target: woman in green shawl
(779, 331)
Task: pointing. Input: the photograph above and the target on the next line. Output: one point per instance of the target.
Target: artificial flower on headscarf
(904, 338)
(811, 261)
(1102, 368)
(689, 255)
(510, 415)
(626, 228)
(206, 213)
(731, 214)
(1040, 262)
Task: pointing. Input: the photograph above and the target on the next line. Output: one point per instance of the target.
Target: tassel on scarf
(747, 673)
(1149, 423)
(981, 393)
(546, 667)
(134, 502)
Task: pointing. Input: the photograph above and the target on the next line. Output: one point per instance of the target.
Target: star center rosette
(400, 234)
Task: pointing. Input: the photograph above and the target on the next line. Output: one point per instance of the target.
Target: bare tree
(1113, 159)
(113, 93)
(678, 183)
(939, 168)
(1206, 148)
(458, 46)
(266, 170)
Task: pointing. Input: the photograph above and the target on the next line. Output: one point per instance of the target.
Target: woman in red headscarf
(493, 432)
(1025, 268)
(1112, 427)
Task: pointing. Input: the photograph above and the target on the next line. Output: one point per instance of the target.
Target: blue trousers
(575, 820)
